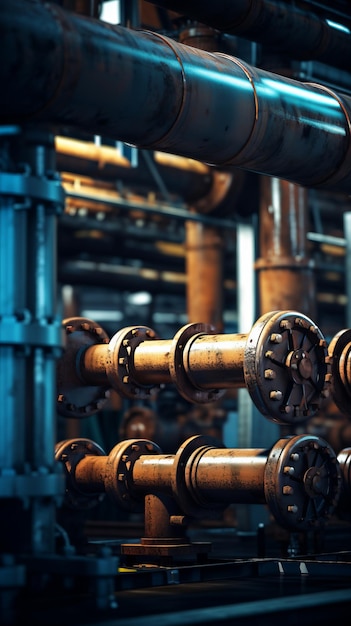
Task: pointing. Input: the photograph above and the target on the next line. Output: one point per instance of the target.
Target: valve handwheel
(286, 367)
(303, 482)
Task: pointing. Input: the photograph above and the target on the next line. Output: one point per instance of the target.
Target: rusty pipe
(285, 270)
(199, 364)
(299, 478)
(344, 459)
(204, 270)
(339, 350)
(148, 90)
(235, 475)
(282, 362)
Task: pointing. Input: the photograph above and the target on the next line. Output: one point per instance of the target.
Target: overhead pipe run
(151, 91)
(282, 26)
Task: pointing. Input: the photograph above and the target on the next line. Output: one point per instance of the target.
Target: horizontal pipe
(89, 474)
(150, 208)
(186, 178)
(153, 472)
(85, 272)
(230, 475)
(148, 90)
(127, 277)
(329, 240)
(216, 361)
(210, 361)
(215, 475)
(284, 27)
(90, 151)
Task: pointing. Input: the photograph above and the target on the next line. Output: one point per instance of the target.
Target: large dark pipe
(148, 90)
(300, 34)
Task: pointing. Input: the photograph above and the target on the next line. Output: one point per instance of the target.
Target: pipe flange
(344, 459)
(74, 397)
(119, 472)
(286, 367)
(178, 367)
(302, 482)
(70, 452)
(340, 356)
(182, 486)
(120, 362)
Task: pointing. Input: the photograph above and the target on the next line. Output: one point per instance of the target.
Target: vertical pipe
(285, 271)
(204, 268)
(158, 510)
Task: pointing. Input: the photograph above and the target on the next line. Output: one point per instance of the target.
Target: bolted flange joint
(119, 472)
(302, 482)
(70, 453)
(74, 397)
(120, 362)
(286, 367)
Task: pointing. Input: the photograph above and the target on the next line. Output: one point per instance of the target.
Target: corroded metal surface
(286, 366)
(299, 479)
(285, 270)
(119, 466)
(204, 267)
(302, 482)
(283, 362)
(340, 355)
(151, 91)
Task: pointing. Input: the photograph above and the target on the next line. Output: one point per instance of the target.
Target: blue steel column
(30, 342)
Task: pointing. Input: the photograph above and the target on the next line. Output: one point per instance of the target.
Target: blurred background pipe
(282, 26)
